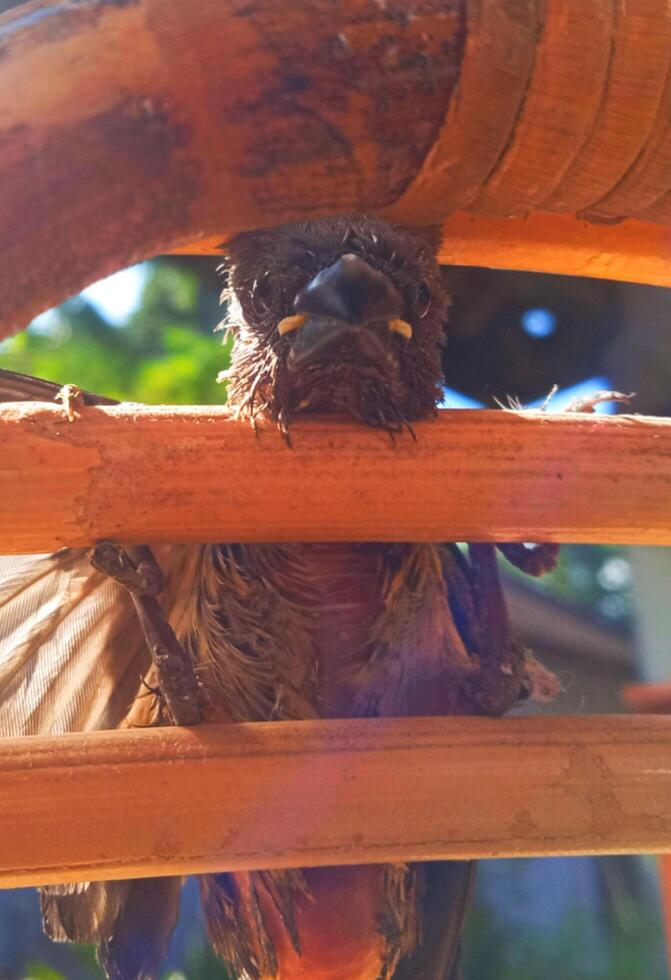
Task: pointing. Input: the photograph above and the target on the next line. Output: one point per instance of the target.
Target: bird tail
(447, 889)
(131, 922)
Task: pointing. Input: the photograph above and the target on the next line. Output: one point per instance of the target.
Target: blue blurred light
(455, 399)
(558, 403)
(538, 323)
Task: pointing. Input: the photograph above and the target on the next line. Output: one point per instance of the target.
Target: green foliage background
(166, 352)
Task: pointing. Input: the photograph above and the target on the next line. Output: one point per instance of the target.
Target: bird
(343, 315)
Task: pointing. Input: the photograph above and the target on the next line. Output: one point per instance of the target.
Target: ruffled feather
(71, 652)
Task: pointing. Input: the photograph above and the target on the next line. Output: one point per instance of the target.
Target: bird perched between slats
(339, 315)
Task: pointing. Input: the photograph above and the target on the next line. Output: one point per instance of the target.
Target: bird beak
(290, 323)
(401, 327)
(347, 301)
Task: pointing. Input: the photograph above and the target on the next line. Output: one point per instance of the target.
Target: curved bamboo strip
(135, 127)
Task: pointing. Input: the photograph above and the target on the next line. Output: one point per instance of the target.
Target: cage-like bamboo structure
(539, 135)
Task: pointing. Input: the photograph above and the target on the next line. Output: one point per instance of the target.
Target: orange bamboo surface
(648, 699)
(163, 801)
(633, 251)
(127, 129)
(138, 473)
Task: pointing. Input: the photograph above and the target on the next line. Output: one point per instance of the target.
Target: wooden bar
(559, 244)
(176, 801)
(140, 473)
(648, 699)
(128, 129)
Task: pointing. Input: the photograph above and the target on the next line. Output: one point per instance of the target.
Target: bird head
(343, 314)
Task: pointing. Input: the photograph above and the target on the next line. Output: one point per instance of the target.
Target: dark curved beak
(349, 302)
(352, 291)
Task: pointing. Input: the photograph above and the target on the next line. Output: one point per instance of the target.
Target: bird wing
(72, 654)
(72, 658)
(15, 387)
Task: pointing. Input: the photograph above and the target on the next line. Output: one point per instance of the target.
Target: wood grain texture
(496, 68)
(648, 178)
(659, 211)
(290, 794)
(638, 69)
(559, 109)
(139, 474)
(129, 129)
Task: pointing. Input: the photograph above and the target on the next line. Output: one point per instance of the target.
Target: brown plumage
(286, 631)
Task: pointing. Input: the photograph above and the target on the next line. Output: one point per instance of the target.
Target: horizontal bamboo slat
(562, 244)
(648, 699)
(127, 129)
(176, 801)
(139, 473)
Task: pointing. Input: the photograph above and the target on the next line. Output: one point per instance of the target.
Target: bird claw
(136, 569)
(542, 558)
(534, 560)
(589, 402)
(70, 396)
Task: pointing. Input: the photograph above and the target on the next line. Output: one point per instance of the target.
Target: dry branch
(139, 474)
(163, 801)
(132, 128)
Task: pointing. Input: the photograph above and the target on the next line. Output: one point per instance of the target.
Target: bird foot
(537, 560)
(70, 397)
(534, 560)
(134, 568)
(588, 403)
(137, 570)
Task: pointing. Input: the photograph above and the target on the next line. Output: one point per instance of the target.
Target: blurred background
(602, 621)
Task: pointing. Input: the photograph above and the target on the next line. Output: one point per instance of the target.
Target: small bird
(341, 315)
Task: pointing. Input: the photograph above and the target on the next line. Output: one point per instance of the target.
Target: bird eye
(423, 298)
